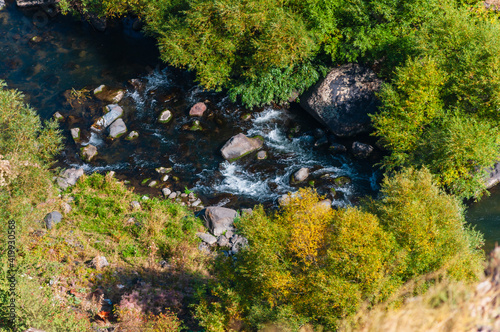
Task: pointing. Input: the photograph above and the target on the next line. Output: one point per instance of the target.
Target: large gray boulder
(239, 146)
(219, 219)
(69, 177)
(343, 99)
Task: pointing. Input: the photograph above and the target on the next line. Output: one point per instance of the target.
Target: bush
(441, 109)
(268, 50)
(320, 265)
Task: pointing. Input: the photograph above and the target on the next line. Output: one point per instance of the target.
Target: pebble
(166, 192)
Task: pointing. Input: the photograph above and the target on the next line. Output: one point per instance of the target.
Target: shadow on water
(485, 216)
(44, 56)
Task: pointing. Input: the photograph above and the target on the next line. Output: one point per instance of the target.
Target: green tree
(270, 50)
(441, 108)
(311, 263)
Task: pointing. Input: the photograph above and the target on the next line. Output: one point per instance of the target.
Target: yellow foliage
(308, 220)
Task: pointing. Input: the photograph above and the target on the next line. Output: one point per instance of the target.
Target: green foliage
(441, 109)
(428, 226)
(36, 307)
(103, 208)
(27, 147)
(270, 50)
(319, 265)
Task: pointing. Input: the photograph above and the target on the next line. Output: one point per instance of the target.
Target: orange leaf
(104, 315)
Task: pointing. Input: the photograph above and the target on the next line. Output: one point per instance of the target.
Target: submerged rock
(336, 148)
(239, 146)
(89, 152)
(97, 22)
(109, 95)
(219, 219)
(341, 181)
(2, 4)
(261, 155)
(198, 109)
(117, 128)
(69, 177)
(343, 99)
(361, 150)
(165, 117)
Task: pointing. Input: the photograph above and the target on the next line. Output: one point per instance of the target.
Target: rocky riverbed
(158, 130)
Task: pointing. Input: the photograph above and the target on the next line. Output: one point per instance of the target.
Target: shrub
(441, 108)
(319, 265)
(269, 50)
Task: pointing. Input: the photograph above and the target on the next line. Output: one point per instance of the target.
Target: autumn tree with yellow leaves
(310, 263)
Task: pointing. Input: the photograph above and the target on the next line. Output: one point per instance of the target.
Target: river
(47, 56)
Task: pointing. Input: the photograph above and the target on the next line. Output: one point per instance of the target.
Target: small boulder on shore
(239, 146)
(52, 219)
(219, 219)
(31, 3)
(337, 148)
(99, 262)
(207, 238)
(166, 192)
(69, 177)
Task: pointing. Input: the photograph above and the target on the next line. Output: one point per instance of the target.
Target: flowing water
(46, 56)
